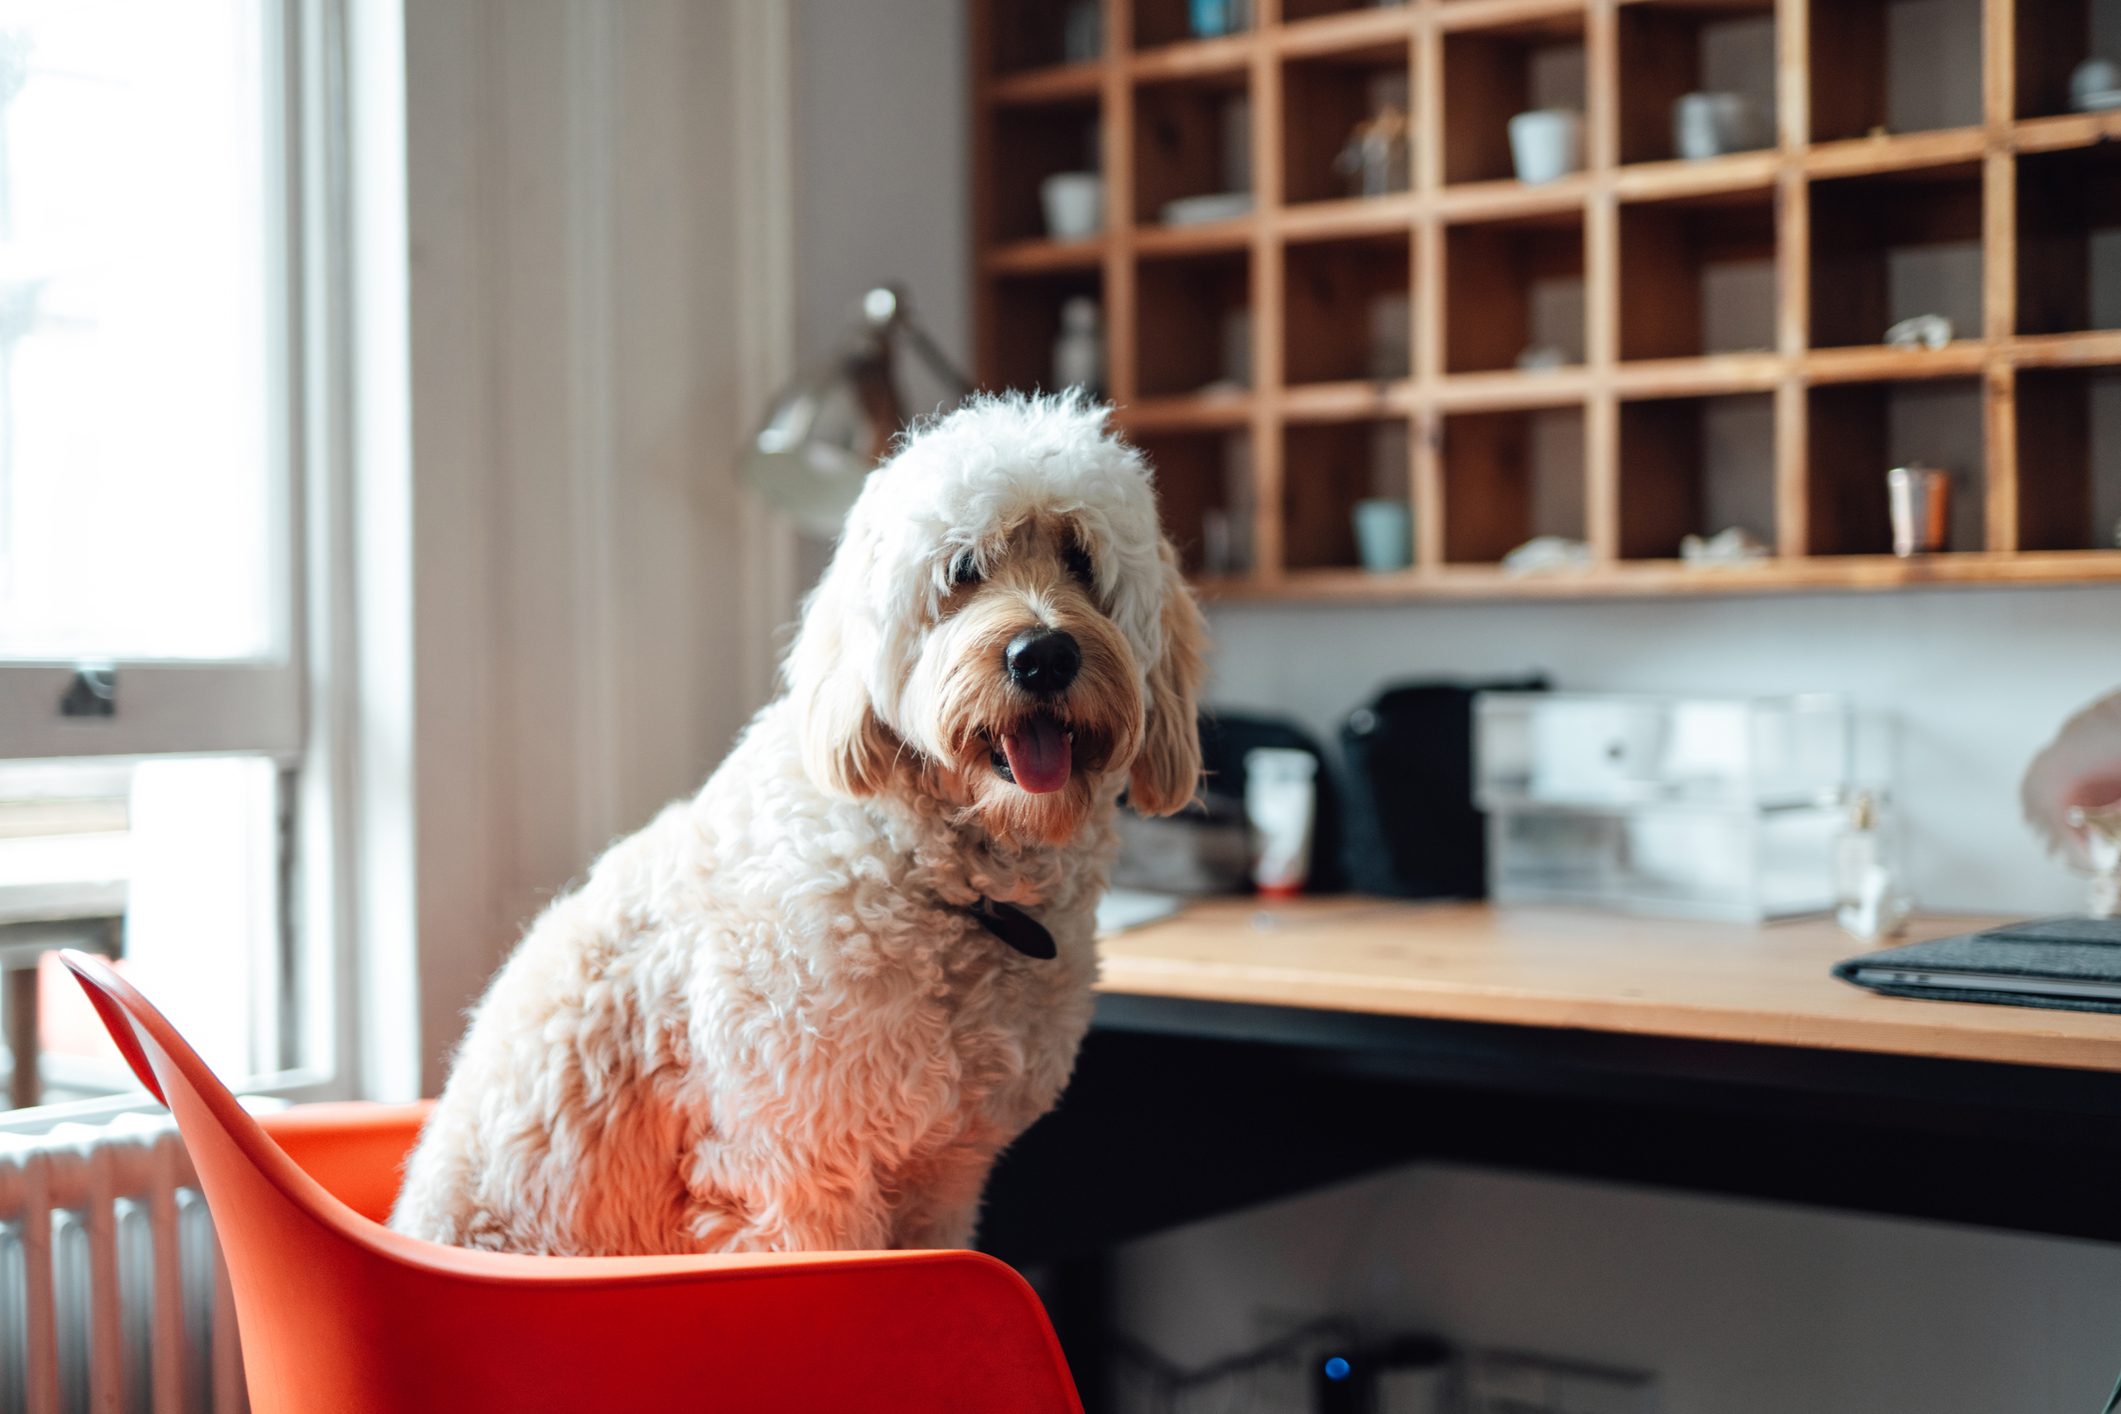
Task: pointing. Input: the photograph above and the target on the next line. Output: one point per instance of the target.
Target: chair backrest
(339, 1313)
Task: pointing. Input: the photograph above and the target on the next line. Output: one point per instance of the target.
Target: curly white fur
(766, 1022)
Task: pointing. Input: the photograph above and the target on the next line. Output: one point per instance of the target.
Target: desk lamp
(830, 426)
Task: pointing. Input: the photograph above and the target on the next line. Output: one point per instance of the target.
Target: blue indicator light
(1337, 1368)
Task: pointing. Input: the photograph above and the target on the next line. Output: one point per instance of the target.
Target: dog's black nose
(1043, 661)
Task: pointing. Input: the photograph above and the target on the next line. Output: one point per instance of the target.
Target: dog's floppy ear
(845, 748)
(1166, 772)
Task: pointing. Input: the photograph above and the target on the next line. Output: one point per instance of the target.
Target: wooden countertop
(1547, 967)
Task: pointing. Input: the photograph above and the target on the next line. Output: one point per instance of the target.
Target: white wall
(1975, 681)
(882, 168)
(579, 390)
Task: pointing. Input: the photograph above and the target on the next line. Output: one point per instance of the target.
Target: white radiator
(112, 1298)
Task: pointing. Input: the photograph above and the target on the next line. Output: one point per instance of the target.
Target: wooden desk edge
(1832, 1014)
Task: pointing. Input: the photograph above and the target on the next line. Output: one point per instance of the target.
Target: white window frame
(301, 706)
(218, 706)
(163, 708)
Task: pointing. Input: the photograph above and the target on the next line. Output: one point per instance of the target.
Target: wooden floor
(1554, 968)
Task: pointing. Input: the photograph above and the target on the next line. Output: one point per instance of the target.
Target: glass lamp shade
(826, 431)
(820, 440)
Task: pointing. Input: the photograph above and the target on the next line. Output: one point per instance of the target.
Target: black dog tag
(1015, 927)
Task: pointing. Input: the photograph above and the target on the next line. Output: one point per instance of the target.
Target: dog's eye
(964, 570)
(1077, 559)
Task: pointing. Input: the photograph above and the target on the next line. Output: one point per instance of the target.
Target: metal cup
(1920, 498)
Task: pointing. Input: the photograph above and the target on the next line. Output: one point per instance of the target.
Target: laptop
(2072, 963)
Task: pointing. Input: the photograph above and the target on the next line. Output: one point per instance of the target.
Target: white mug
(2093, 84)
(1075, 204)
(1546, 143)
(1384, 539)
(1710, 124)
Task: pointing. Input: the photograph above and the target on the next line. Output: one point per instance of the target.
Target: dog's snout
(1043, 661)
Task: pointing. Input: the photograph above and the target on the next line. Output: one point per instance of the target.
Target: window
(151, 732)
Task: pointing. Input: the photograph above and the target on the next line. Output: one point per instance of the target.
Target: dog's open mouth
(1038, 754)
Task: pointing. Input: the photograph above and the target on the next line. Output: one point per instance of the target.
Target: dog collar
(1015, 927)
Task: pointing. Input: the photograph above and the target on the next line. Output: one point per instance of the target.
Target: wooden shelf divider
(1318, 349)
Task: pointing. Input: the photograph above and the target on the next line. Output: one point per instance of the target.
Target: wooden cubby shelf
(1693, 465)
(1670, 49)
(1697, 276)
(1648, 349)
(1900, 66)
(1206, 487)
(1332, 466)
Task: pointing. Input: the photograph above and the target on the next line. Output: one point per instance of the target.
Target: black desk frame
(1183, 1110)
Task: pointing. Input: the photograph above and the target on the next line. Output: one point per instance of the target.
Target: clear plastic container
(1723, 808)
(1611, 751)
(1723, 862)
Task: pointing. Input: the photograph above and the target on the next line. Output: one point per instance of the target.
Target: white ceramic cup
(1075, 204)
(1708, 125)
(1546, 144)
(1383, 535)
(2093, 82)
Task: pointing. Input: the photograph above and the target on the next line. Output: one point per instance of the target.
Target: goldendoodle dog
(806, 1008)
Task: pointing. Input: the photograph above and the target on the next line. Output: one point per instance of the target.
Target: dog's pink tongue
(1039, 755)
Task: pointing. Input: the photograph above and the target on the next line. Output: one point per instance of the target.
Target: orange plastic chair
(337, 1312)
